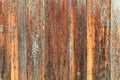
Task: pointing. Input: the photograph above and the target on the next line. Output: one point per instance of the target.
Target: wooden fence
(59, 39)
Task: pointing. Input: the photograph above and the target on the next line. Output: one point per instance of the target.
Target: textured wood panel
(98, 28)
(79, 46)
(56, 63)
(35, 39)
(115, 40)
(22, 40)
(5, 60)
(59, 40)
(13, 39)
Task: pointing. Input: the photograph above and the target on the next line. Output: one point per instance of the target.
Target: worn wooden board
(115, 40)
(78, 39)
(98, 29)
(22, 40)
(4, 39)
(56, 25)
(59, 40)
(35, 39)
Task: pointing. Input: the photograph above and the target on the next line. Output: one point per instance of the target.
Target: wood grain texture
(115, 40)
(78, 27)
(5, 54)
(98, 29)
(22, 46)
(35, 39)
(102, 37)
(13, 39)
(2, 38)
(90, 40)
(56, 40)
(59, 40)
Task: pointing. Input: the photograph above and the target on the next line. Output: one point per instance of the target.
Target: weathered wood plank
(22, 46)
(56, 40)
(115, 40)
(13, 40)
(59, 40)
(2, 38)
(90, 40)
(35, 39)
(79, 40)
(102, 36)
(98, 27)
(6, 73)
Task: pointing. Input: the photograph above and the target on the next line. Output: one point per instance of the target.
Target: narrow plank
(13, 39)
(78, 26)
(35, 39)
(6, 73)
(22, 46)
(98, 19)
(115, 40)
(63, 40)
(56, 62)
(42, 39)
(102, 36)
(90, 40)
(2, 37)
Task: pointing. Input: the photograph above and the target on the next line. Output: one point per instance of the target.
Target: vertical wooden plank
(6, 73)
(90, 40)
(2, 37)
(56, 40)
(79, 40)
(35, 39)
(13, 39)
(115, 40)
(102, 36)
(42, 40)
(22, 49)
(63, 39)
(98, 57)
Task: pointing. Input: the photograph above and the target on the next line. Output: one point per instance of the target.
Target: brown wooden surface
(115, 40)
(59, 40)
(98, 27)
